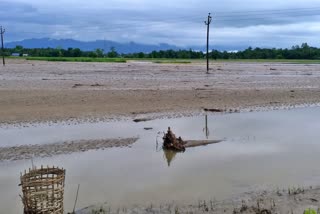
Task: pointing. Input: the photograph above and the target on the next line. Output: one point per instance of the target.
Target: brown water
(260, 150)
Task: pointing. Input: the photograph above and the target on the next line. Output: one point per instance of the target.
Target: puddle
(260, 150)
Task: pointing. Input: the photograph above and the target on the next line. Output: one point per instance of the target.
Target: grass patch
(310, 211)
(77, 59)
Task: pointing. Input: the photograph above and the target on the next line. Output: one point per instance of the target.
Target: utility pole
(2, 30)
(208, 22)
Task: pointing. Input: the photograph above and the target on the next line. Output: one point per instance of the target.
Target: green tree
(18, 48)
(59, 51)
(112, 53)
(99, 52)
(93, 54)
(76, 52)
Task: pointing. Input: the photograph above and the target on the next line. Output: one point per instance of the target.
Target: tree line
(295, 52)
(60, 52)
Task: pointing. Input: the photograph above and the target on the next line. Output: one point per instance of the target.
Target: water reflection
(169, 155)
(206, 128)
(140, 175)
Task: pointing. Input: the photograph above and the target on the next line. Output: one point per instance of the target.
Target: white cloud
(271, 23)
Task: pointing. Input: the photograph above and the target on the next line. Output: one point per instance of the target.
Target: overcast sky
(265, 23)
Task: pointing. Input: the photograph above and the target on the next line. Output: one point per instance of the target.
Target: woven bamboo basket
(43, 190)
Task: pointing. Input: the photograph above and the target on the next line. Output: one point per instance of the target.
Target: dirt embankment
(50, 91)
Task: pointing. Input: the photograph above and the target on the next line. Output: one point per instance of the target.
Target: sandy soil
(48, 150)
(295, 200)
(32, 91)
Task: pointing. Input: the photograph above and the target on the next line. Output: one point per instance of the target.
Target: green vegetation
(285, 61)
(77, 59)
(310, 211)
(303, 54)
(59, 52)
(167, 54)
(296, 52)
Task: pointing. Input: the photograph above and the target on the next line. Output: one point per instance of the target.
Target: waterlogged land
(77, 59)
(276, 151)
(270, 158)
(51, 91)
(168, 61)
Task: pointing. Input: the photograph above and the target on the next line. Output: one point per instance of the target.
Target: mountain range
(130, 47)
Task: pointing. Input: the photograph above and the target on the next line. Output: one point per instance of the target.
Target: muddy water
(260, 150)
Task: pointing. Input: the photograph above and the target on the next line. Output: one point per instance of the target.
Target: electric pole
(208, 24)
(2, 30)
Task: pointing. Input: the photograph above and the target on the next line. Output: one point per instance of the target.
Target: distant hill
(130, 47)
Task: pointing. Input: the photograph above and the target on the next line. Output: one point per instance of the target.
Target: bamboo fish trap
(43, 190)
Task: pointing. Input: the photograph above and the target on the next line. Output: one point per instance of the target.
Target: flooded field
(260, 150)
(37, 91)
